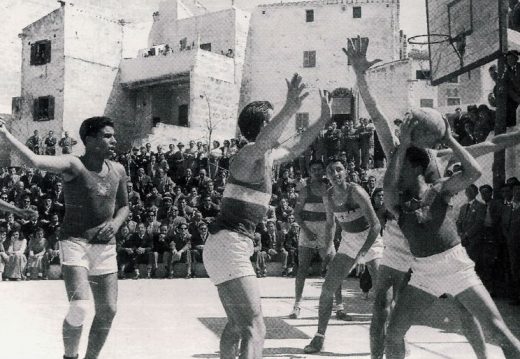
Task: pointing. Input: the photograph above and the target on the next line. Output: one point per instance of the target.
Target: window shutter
(47, 52)
(51, 108)
(36, 110)
(33, 54)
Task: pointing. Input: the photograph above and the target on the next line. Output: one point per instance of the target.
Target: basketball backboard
(477, 35)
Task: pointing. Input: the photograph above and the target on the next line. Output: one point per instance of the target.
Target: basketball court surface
(182, 319)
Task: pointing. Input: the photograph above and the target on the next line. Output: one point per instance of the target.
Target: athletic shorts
(450, 272)
(227, 256)
(351, 243)
(396, 254)
(320, 241)
(99, 259)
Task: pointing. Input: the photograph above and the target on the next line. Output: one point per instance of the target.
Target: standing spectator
(332, 139)
(16, 263)
(66, 143)
(292, 196)
(366, 132)
(470, 223)
(179, 165)
(50, 144)
(512, 233)
(37, 250)
(370, 186)
(351, 142)
(467, 138)
(180, 250)
(226, 155)
(485, 123)
(512, 86)
(35, 142)
(290, 247)
(514, 15)
(215, 156)
(190, 156)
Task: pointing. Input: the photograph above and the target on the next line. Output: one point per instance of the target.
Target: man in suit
(511, 226)
(470, 222)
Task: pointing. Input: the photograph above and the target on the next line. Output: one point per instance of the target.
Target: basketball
(430, 128)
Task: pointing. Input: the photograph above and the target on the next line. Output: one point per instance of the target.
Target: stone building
(191, 71)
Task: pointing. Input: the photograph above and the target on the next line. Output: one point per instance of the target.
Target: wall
(91, 66)
(421, 89)
(43, 80)
(280, 35)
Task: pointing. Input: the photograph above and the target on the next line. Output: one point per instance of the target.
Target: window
(454, 80)
(41, 52)
(422, 75)
(453, 101)
(356, 12)
(309, 15)
(183, 44)
(43, 108)
(183, 116)
(302, 121)
(16, 105)
(309, 59)
(427, 102)
(206, 46)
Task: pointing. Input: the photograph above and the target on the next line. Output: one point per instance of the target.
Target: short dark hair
(418, 157)
(252, 118)
(474, 188)
(486, 186)
(91, 126)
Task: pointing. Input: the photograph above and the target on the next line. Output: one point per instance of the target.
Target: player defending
(350, 205)
(397, 257)
(310, 213)
(245, 202)
(441, 265)
(96, 205)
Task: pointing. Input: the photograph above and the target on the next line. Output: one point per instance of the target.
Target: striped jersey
(349, 214)
(313, 209)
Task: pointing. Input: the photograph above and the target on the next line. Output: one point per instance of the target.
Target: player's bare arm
(356, 52)
(67, 165)
(24, 213)
(330, 224)
(285, 154)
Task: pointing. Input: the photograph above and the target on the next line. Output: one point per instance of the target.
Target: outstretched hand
(295, 94)
(326, 103)
(356, 52)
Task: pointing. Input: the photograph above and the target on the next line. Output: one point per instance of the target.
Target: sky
(20, 13)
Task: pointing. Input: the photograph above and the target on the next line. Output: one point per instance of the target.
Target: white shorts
(351, 243)
(397, 253)
(99, 259)
(450, 272)
(320, 241)
(227, 256)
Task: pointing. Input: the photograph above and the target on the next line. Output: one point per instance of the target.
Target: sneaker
(295, 313)
(136, 275)
(315, 346)
(285, 273)
(341, 315)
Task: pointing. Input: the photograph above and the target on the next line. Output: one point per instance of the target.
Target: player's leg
(410, 304)
(387, 279)
(230, 337)
(305, 256)
(327, 255)
(479, 303)
(242, 298)
(472, 330)
(338, 269)
(104, 289)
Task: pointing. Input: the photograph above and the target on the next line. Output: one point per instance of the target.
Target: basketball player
(397, 257)
(96, 205)
(441, 265)
(350, 205)
(245, 202)
(311, 215)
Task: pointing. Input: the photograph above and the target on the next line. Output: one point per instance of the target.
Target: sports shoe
(341, 315)
(295, 313)
(136, 274)
(315, 346)
(285, 273)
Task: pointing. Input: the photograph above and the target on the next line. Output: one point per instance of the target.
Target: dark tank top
(349, 214)
(90, 200)
(244, 205)
(425, 224)
(313, 209)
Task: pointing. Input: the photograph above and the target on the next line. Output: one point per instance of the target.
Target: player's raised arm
(356, 52)
(66, 165)
(269, 136)
(284, 154)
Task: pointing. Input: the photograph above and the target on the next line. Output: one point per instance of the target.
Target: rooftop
(327, 2)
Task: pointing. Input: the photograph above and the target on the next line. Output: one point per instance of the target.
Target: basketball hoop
(458, 43)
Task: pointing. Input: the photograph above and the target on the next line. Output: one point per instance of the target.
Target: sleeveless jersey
(313, 209)
(349, 214)
(90, 200)
(244, 205)
(426, 225)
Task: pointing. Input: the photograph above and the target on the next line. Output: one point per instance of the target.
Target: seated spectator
(16, 263)
(196, 220)
(11, 224)
(202, 180)
(4, 257)
(283, 210)
(283, 183)
(142, 182)
(292, 196)
(46, 210)
(188, 181)
(122, 241)
(162, 181)
(160, 248)
(177, 195)
(37, 249)
(174, 220)
(180, 246)
(53, 249)
(153, 198)
(198, 240)
(193, 198)
(185, 210)
(290, 247)
(134, 198)
(137, 250)
(151, 223)
(272, 241)
(210, 191)
(166, 208)
(208, 209)
(221, 180)
(257, 258)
